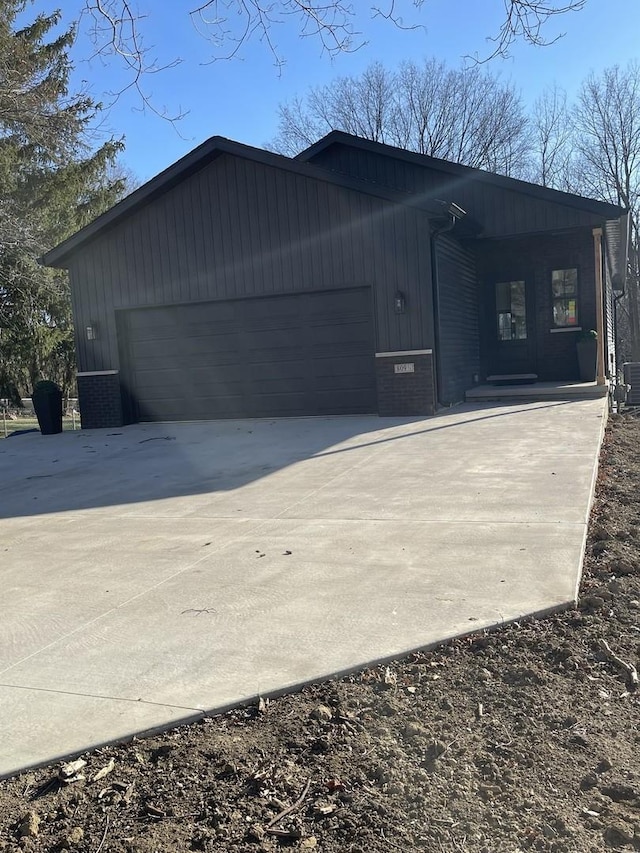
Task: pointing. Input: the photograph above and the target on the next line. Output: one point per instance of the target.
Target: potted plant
(47, 403)
(587, 347)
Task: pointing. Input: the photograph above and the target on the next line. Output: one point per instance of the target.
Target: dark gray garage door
(308, 354)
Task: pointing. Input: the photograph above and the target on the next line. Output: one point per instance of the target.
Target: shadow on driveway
(150, 462)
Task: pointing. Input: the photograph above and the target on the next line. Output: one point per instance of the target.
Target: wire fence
(23, 419)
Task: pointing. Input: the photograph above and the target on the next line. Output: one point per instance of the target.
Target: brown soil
(525, 738)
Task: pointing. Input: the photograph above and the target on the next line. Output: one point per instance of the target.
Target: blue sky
(239, 98)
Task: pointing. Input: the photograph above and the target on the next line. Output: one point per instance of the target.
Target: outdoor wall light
(92, 331)
(455, 210)
(399, 302)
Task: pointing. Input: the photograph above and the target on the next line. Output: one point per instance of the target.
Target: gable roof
(201, 157)
(339, 137)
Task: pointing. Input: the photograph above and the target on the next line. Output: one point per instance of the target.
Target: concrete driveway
(154, 572)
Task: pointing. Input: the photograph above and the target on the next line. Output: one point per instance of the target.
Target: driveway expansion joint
(100, 696)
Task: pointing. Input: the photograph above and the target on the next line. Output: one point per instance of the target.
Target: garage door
(308, 354)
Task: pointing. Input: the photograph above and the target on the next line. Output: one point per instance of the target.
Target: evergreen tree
(53, 180)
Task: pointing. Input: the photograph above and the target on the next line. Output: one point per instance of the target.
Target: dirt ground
(525, 738)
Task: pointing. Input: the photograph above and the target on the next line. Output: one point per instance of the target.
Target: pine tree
(53, 180)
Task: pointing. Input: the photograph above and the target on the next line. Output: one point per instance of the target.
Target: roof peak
(334, 137)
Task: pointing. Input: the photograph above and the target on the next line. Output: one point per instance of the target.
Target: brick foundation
(408, 389)
(99, 399)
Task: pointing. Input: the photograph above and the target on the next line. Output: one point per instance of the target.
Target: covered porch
(539, 296)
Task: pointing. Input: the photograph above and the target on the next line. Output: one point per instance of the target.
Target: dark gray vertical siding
(90, 309)
(208, 214)
(458, 356)
(108, 260)
(77, 309)
(147, 264)
(161, 239)
(500, 211)
(171, 252)
(185, 250)
(80, 284)
(115, 261)
(198, 240)
(412, 269)
(236, 188)
(239, 228)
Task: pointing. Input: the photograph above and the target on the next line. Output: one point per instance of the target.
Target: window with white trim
(564, 298)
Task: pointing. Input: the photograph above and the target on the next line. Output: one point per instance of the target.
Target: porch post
(597, 252)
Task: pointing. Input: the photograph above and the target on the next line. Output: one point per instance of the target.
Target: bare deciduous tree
(552, 141)
(366, 106)
(466, 115)
(607, 144)
(608, 117)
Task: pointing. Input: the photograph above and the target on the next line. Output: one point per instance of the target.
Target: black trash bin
(47, 403)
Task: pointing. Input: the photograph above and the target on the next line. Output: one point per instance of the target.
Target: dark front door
(511, 328)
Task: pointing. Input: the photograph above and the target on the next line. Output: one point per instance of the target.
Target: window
(564, 296)
(511, 311)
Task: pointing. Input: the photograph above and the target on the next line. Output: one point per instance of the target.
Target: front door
(513, 342)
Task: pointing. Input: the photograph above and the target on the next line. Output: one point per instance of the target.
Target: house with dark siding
(355, 278)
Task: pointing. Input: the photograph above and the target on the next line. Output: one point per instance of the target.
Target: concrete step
(538, 391)
(512, 379)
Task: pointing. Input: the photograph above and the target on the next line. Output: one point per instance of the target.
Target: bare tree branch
(116, 29)
(527, 21)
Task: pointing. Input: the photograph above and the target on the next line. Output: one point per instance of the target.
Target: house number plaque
(404, 368)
